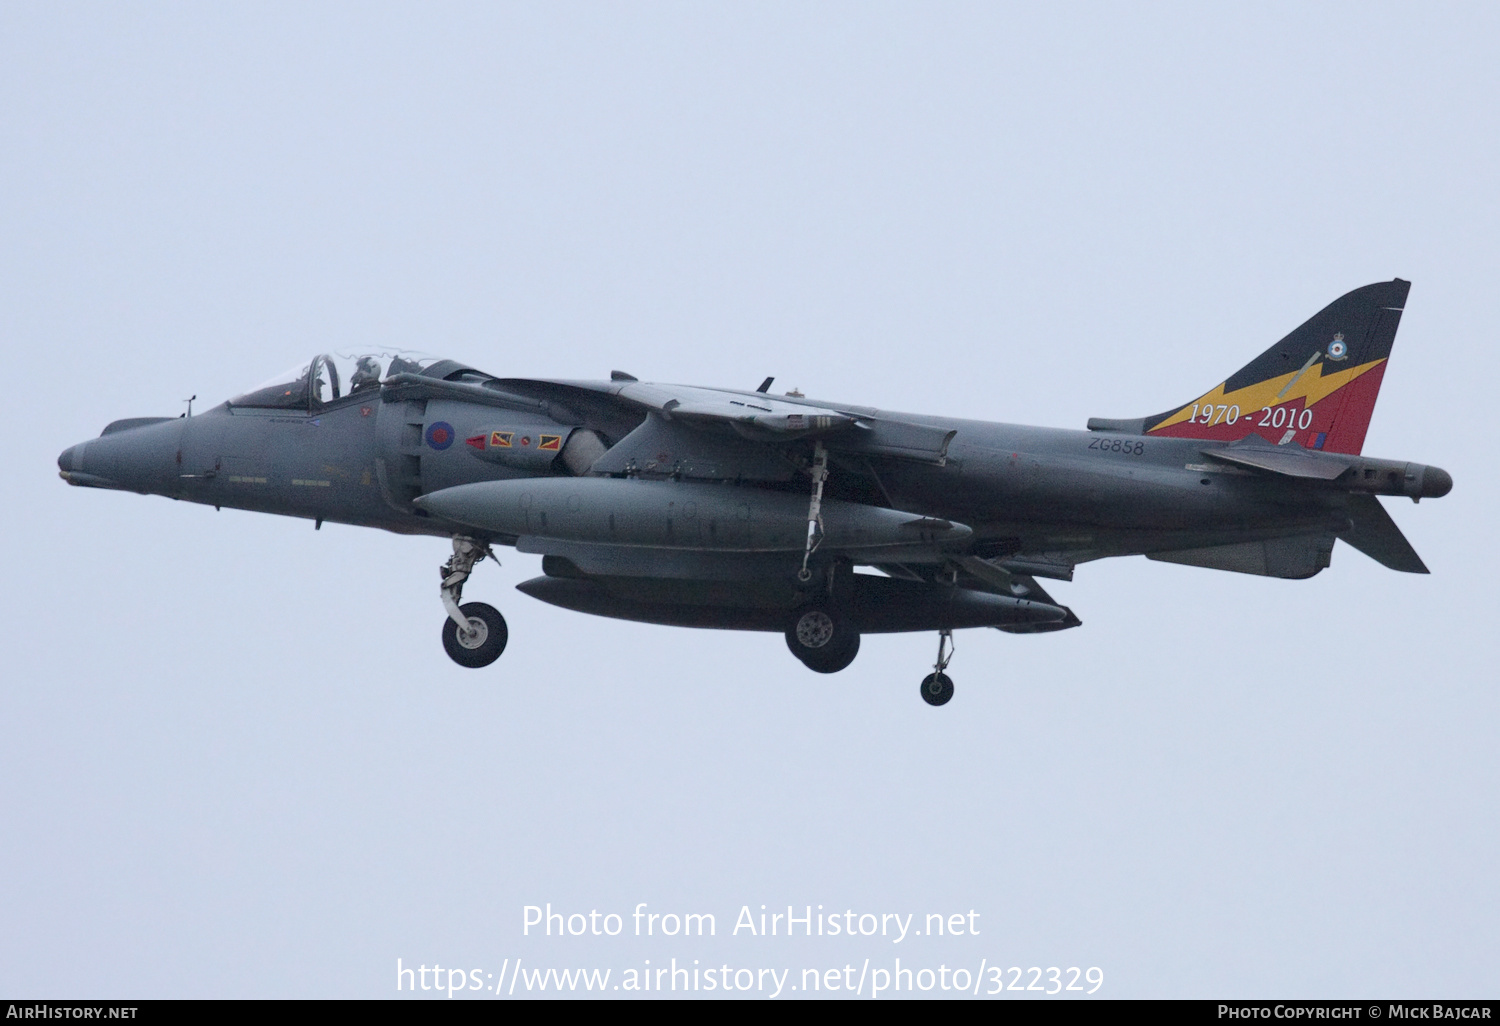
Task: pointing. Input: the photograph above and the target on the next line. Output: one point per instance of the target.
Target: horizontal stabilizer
(1376, 535)
(1287, 460)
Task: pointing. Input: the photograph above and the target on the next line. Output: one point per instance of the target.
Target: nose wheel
(481, 641)
(474, 634)
(937, 686)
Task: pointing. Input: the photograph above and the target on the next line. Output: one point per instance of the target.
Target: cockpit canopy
(330, 377)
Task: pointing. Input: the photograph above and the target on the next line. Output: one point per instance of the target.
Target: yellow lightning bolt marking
(1311, 386)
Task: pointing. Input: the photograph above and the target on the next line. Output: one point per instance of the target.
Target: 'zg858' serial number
(1123, 445)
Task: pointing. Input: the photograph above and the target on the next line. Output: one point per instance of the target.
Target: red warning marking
(477, 441)
(525, 439)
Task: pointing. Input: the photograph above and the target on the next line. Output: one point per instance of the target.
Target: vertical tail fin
(1316, 387)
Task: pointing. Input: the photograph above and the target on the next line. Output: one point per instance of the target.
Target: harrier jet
(821, 521)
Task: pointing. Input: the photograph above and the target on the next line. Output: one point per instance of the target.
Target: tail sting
(1316, 387)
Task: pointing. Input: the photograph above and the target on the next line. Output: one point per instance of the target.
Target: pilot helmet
(366, 369)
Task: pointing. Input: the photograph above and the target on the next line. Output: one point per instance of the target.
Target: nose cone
(140, 458)
(66, 461)
(1436, 482)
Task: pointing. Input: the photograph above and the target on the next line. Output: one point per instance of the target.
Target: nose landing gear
(937, 686)
(474, 634)
(481, 641)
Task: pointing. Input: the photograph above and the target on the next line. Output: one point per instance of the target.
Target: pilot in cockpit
(366, 375)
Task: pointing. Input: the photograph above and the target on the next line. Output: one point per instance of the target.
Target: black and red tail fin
(1316, 387)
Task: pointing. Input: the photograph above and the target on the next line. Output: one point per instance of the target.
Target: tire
(822, 639)
(937, 689)
(487, 622)
(833, 661)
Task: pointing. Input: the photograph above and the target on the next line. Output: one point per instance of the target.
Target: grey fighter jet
(821, 521)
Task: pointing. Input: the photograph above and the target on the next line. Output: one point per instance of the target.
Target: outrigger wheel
(822, 638)
(937, 688)
(484, 640)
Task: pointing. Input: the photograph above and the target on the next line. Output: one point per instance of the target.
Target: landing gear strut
(474, 634)
(819, 633)
(815, 510)
(937, 686)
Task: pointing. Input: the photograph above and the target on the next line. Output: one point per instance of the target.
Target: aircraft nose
(136, 456)
(69, 458)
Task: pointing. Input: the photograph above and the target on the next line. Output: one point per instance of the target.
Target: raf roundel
(1337, 350)
(440, 435)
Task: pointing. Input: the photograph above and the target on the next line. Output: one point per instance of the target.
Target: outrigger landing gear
(474, 634)
(937, 686)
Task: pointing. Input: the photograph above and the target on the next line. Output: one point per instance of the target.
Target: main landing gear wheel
(484, 640)
(822, 639)
(937, 688)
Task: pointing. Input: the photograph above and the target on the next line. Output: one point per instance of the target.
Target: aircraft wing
(760, 417)
(753, 416)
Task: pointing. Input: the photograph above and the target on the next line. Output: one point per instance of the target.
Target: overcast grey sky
(235, 758)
